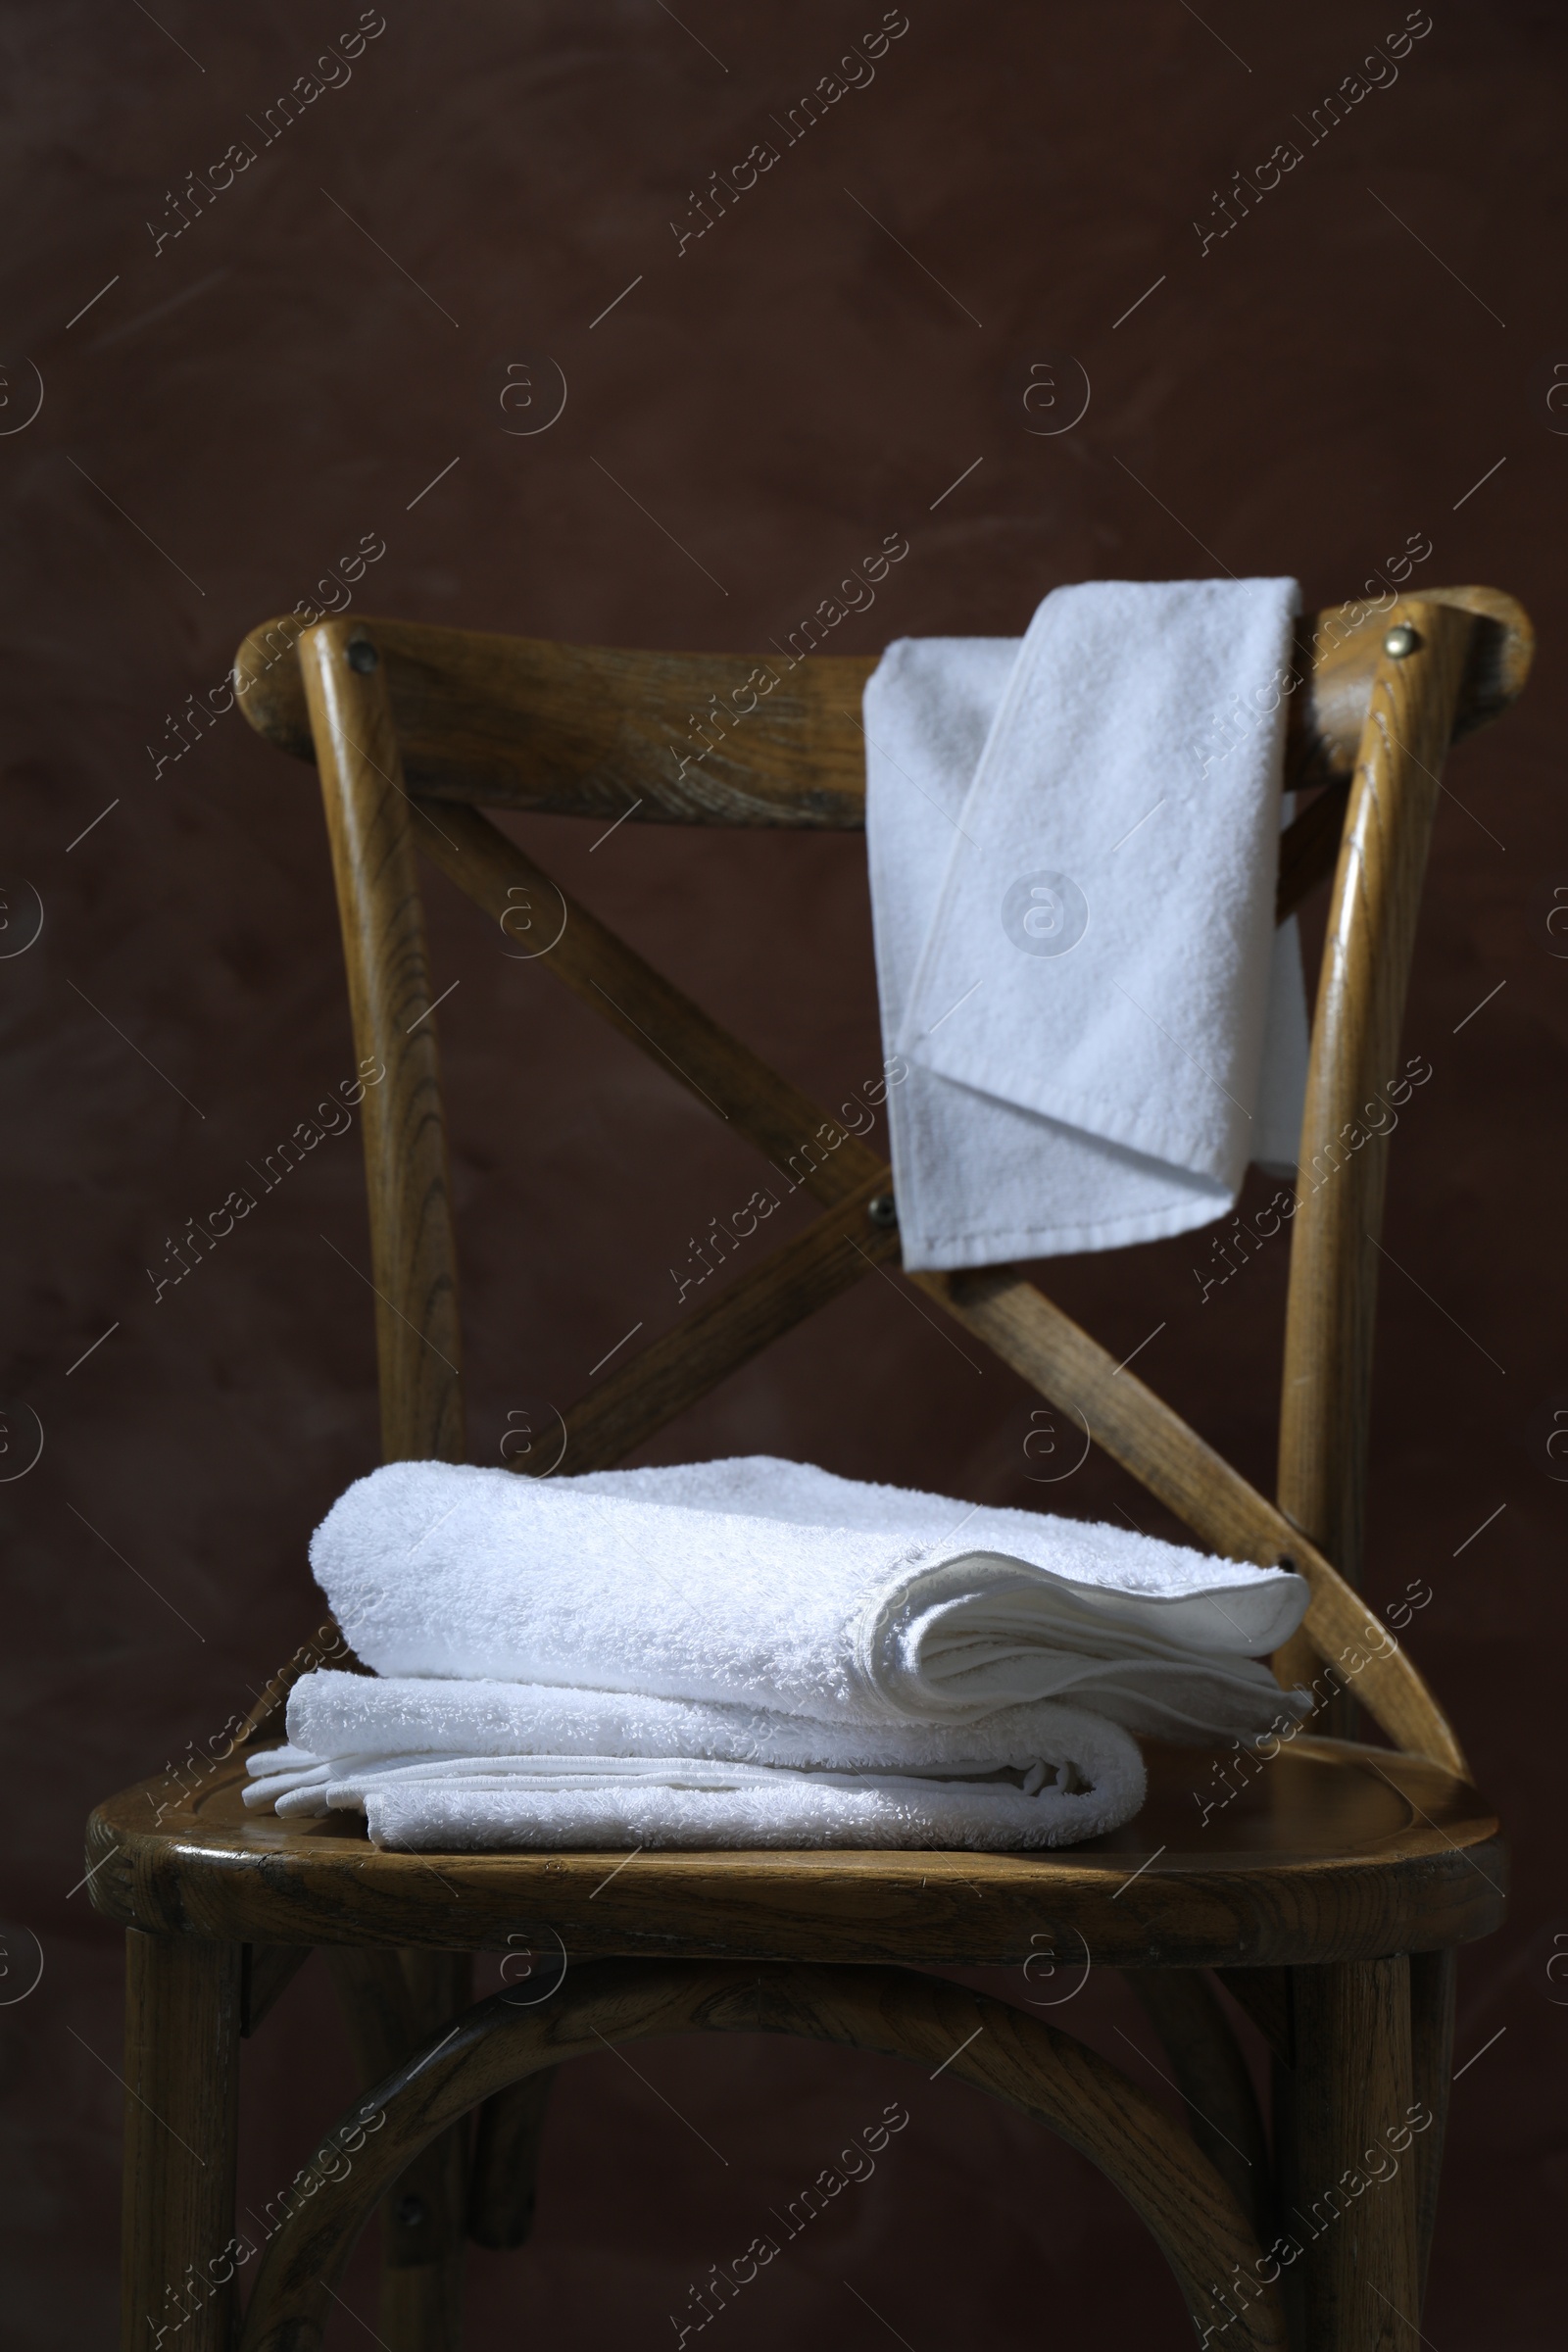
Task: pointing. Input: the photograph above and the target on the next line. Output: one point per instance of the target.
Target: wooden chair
(1331, 1893)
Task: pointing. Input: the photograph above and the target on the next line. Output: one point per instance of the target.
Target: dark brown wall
(223, 423)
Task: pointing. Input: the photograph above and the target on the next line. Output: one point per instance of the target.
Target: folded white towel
(710, 1806)
(1072, 886)
(775, 1585)
(475, 1764)
(755, 1652)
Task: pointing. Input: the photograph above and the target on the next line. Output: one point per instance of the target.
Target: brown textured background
(247, 403)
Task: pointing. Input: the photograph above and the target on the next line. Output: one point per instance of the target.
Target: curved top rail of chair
(1329, 1851)
(745, 739)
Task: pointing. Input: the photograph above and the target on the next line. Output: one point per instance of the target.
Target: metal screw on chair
(363, 655)
(1400, 640)
(883, 1211)
(412, 2210)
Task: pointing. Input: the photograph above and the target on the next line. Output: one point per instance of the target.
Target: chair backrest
(411, 726)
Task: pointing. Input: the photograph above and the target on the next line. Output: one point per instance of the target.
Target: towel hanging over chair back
(1073, 845)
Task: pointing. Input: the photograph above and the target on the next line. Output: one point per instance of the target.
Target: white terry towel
(1072, 890)
(461, 1765)
(776, 1585)
(754, 1651)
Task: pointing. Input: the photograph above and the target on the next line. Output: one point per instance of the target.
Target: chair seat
(1329, 1851)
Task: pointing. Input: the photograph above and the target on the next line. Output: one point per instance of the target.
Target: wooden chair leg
(181, 2070)
(502, 2187)
(427, 2213)
(1211, 2075)
(1433, 1979)
(1349, 2131)
(393, 2002)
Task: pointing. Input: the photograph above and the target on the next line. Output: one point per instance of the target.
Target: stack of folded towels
(754, 1653)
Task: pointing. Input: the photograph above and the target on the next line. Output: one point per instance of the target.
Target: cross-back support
(463, 717)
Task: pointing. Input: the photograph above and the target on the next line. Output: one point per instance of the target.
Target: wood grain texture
(1348, 2158)
(414, 1276)
(412, 1251)
(1354, 1088)
(1331, 1852)
(1030, 2065)
(182, 2061)
(1339, 652)
(1215, 2084)
(590, 731)
(597, 731)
